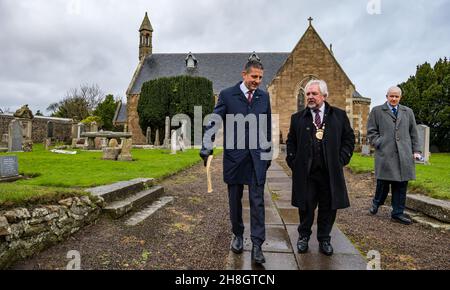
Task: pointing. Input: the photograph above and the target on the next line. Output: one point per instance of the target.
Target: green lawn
(59, 175)
(433, 180)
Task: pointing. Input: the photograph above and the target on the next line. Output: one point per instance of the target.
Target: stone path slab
(280, 248)
(277, 239)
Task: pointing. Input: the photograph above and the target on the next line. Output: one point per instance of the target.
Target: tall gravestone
(80, 130)
(166, 143)
(74, 130)
(15, 135)
(149, 136)
(27, 128)
(125, 153)
(94, 127)
(424, 142)
(157, 138)
(173, 142)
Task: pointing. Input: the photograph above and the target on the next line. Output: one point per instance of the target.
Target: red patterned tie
(317, 118)
(250, 96)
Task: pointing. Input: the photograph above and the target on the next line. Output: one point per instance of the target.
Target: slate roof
(357, 96)
(120, 116)
(223, 69)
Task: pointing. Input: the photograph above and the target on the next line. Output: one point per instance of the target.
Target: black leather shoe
(373, 209)
(237, 246)
(326, 248)
(257, 255)
(302, 245)
(402, 218)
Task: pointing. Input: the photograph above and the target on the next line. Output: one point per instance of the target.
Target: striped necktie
(317, 118)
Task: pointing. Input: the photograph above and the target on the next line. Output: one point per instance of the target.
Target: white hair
(322, 86)
(394, 89)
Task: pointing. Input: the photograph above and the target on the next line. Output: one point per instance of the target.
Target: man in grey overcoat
(391, 129)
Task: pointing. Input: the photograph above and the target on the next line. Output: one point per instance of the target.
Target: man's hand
(418, 156)
(204, 153)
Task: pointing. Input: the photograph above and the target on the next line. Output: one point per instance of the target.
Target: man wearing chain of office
(319, 144)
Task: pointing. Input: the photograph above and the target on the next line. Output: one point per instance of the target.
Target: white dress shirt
(244, 89)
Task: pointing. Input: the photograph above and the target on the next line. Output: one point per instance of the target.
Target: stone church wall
(62, 128)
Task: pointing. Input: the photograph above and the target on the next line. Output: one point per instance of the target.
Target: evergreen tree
(427, 93)
(170, 96)
(106, 110)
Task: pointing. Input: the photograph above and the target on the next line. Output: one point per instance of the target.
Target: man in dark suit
(247, 112)
(319, 144)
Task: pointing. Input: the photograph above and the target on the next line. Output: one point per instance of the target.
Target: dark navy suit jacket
(240, 164)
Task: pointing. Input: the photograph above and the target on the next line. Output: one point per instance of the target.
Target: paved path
(281, 235)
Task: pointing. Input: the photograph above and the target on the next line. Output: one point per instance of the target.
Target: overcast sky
(50, 46)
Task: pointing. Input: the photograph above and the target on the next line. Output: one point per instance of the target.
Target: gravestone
(149, 136)
(27, 129)
(9, 168)
(50, 129)
(94, 127)
(80, 130)
(110, 153)
(424, 143)
(365, 150)
(74, 131)
(182, 136)
(125, 154)
(157, 138)
(173, 142)
(166, 143)
(181, 143)
(47, 143)
(15, 134)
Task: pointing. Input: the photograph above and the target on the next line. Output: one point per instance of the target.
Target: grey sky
(50, 46)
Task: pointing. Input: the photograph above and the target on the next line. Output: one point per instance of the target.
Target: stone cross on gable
(310, 19)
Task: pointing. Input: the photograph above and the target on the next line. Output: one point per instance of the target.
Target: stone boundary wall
(62, 128)
(27, 231)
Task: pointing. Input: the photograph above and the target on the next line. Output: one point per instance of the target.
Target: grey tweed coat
(395, 141)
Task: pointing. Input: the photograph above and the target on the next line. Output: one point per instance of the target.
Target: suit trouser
(319, 193)
(257, 212)
(398, 195)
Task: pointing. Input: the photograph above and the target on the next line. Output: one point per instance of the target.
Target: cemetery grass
(432, 180)
(52, 176)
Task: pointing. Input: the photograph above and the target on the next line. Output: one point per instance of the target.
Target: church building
(285, 75)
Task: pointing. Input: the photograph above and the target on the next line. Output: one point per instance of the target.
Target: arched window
(301, 97)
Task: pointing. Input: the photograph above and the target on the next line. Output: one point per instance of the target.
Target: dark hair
(253, 64)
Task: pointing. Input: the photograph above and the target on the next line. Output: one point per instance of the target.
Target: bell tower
(145, 38)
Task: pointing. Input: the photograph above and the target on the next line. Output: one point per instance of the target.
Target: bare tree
(5, 110)
(78, 103)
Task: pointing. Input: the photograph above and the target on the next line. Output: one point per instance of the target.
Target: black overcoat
(338, 145)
